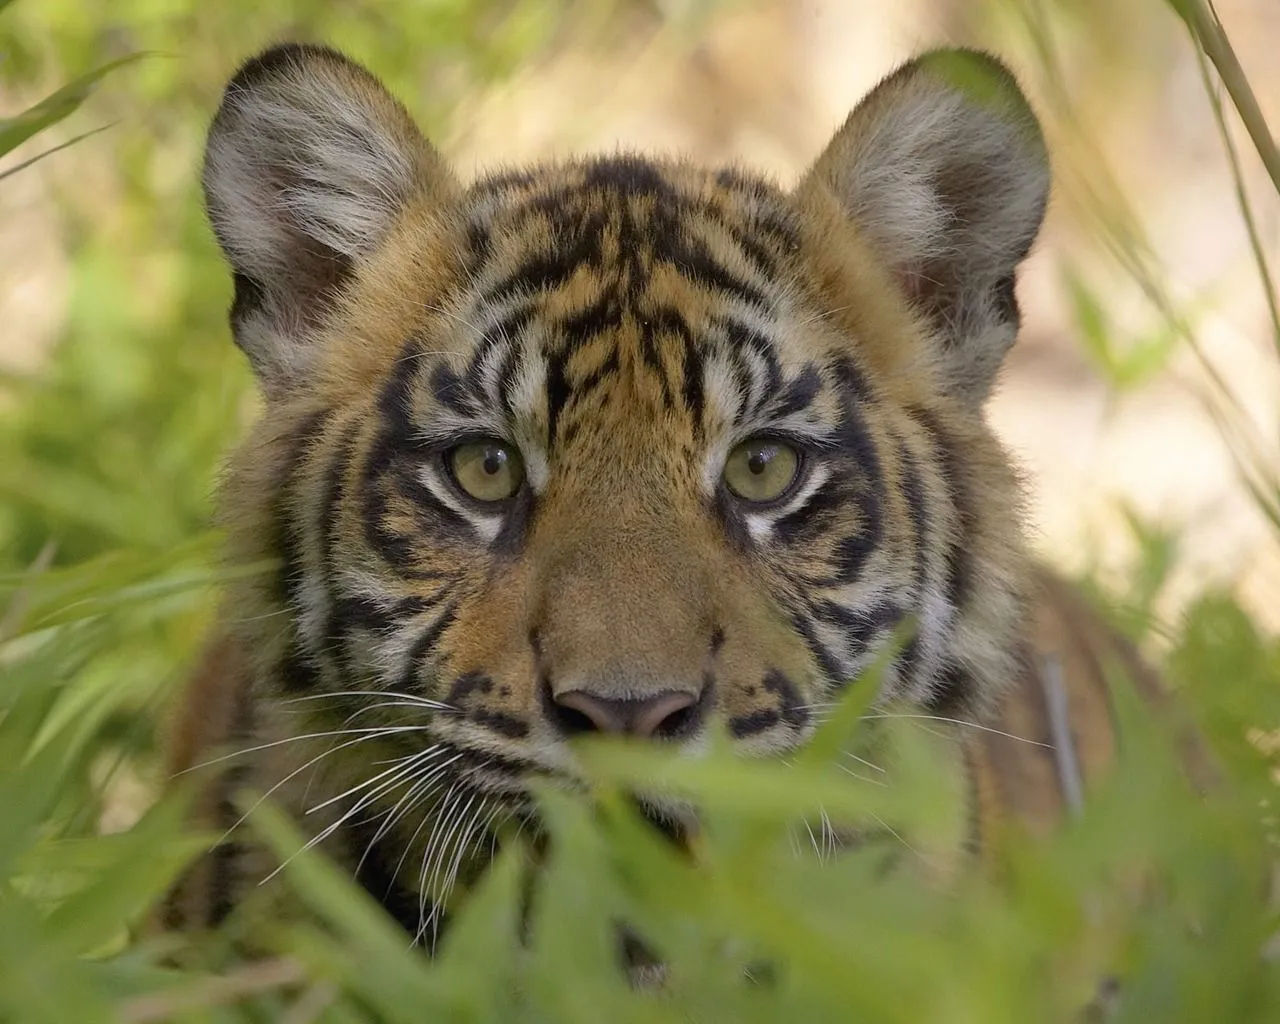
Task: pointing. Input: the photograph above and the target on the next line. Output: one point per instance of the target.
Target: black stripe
(467, 684)
(959, 583)
(603, 314)
(790, 704)
(760, 255)
(500, 722)
(917, 508)
(780, 226)
(693, 389)
(465, 392)
(395, 549)
(742, 337)
(554, 205)
(858, 445)
(424, 647)
(691, 258)
(502, 181)
(630, 175)
(476, 760)
(918, 511)
(668, 322)
(816, 515)
(296, 672)
(799, 392)
(577, 243)
(754, 722)
(350, 613)
(951, 690)
(862, 627)
(432, 517)
(557, 387)
(828, 662)
(599, 375)
(479, 248)
(453, 391)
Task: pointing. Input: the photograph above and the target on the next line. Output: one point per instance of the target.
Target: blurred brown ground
(766, 83)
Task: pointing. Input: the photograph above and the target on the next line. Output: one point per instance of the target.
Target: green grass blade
(56, 106)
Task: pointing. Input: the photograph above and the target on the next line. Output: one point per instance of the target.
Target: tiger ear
(943, 169)
(309, 162)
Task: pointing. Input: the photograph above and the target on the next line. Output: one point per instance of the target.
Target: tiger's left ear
(310, 163)
(943, 169)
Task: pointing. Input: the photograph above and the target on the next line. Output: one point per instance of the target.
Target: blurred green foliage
(108, 454)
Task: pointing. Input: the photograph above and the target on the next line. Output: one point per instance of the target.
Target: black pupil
(494, 460)
(758, 460)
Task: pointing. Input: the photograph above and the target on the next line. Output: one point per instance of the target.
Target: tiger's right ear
(308, 165)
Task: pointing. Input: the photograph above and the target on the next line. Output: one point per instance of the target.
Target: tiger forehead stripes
(616, 444)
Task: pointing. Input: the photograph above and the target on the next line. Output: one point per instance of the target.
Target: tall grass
(107, 456)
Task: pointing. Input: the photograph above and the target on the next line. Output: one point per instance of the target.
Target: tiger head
(621, 445)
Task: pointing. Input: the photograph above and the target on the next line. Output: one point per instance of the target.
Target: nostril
(677, 722)
(663, 715)
(571, 721)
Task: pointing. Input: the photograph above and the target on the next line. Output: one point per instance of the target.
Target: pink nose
(660, 715)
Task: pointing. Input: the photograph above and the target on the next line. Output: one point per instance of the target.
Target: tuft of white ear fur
(309, 163)
(943, 169)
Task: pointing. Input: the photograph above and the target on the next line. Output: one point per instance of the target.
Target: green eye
(761, 470)
(486, 470)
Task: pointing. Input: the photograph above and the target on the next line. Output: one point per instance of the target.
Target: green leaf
(53, 108)
(377, 958)
(40, 983)
(478, 956)
(575, 925)
(144, 862)
(8, 171)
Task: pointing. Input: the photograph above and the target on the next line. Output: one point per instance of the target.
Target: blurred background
(1141, 400)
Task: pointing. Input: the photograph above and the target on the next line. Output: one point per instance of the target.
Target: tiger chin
(615, 445)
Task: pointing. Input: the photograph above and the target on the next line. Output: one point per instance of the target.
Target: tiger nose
(662, 715)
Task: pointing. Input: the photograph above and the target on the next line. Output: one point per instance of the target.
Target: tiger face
(615, 445)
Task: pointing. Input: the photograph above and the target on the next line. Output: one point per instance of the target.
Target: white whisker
(365, 801)
(960, 722)
(382, 730)
(428, 785)
(396, 765)
(319, 757)
(441, 816)
(419, 791)
(411, 698)
(862, 760)
(863, 778)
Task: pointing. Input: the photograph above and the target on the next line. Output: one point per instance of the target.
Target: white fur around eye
(760, 523)
(486, 524)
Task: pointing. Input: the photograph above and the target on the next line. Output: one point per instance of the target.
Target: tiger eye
(761, 470)
(487, 470)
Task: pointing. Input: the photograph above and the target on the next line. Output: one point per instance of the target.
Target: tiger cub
(617, 445)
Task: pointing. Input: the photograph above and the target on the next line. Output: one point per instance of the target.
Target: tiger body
(516, 466)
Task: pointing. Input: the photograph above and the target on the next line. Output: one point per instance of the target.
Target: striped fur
(624, 323)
